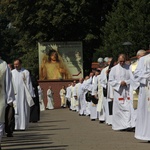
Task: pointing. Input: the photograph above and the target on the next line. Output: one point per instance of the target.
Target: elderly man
(134, 90)
(6, 93)
(133, 66)
(119, 79)
(142, 75)
(104, 113)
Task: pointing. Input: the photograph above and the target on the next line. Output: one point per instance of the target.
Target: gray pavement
(61, 129)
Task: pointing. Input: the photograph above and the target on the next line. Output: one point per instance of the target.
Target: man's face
(17, 65)
(74, 83)
(121, 60)
(96, 73)
(91, 74)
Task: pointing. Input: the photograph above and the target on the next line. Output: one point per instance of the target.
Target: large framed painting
(60, 60)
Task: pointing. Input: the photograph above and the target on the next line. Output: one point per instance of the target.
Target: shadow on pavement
(37, 137)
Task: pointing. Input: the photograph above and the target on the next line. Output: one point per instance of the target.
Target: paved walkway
(61, 129)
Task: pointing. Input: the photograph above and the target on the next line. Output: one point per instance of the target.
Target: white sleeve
(9, 90)
(113, 82)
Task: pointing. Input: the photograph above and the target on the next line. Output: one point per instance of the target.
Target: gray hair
(141, 52)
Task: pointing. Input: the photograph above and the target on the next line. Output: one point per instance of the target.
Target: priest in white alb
(142, 75)
(24, 94)
(134, 85)
(119, 79)
(104, 114)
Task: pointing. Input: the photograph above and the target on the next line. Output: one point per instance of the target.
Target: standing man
(119, 79)
(134, 85)
(50, 100)
(133, 66)
(94, 93)
(24, 94)
(6, 93)
(10, 113)
(62, 94)
(104, 83)
(104, 114)
(73, 96)
(142, 75)
(82, 97)
(78, 93)
(87, 93)
(41, 96)
(68, 95)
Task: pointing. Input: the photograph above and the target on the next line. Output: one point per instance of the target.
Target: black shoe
(34, 121)
(93, 119)
(9, 135)
(101, 121)
(148, 141)
(130, 129)
(123, 130)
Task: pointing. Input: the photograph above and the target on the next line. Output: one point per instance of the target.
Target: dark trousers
(9, 119)
(35, 111)
(68, 103)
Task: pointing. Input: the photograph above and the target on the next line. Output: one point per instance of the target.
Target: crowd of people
(118, 94)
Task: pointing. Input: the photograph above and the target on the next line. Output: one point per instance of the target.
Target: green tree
(56, 20)
(8, 36)
(129, 21)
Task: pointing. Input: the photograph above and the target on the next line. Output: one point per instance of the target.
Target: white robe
(6, 88)
(142, 74)
(77, 93)
(104, 83)
(134, 91)
(6, 92)
(73, 100)
(40, 92)
(62, 94)
(50, 101)
(100, 95)
(88, 87)
(22, 109)
(93, 107)
(82, 99)
(104, 109)
(122, 105)
(68, 93)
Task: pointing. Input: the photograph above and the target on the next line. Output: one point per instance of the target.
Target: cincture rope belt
(121, 99)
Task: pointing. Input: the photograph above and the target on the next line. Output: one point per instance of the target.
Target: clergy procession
(117, 94)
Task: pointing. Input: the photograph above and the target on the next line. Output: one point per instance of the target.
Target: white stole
(28, 96)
